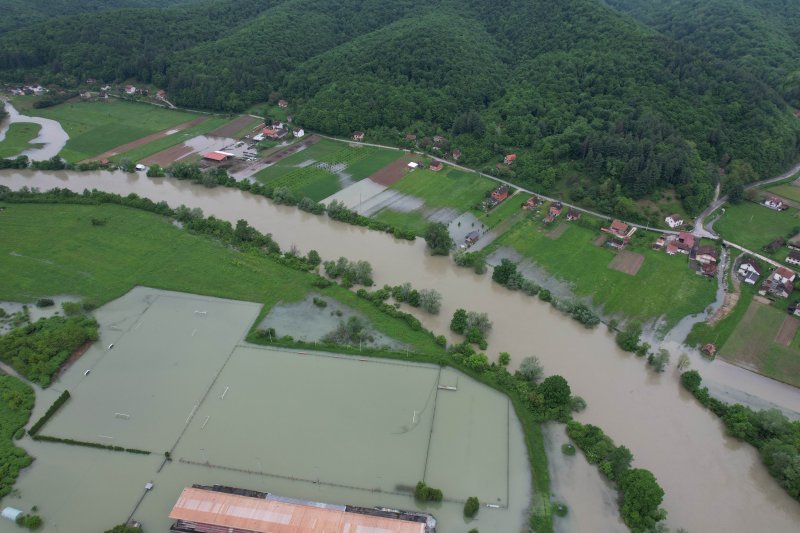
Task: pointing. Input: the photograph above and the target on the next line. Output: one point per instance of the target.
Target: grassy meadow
(786, 190)
(663, 287)
(96, 127)
(146, 150)
(18, 138)
(57, 250)
(447, 188)
(754, 226)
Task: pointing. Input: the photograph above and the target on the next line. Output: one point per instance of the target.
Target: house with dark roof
(283, 103)
(749, 270)
(555, 209)
(773, 202)
(358, 136)
(776, 288)
(706, 254)
(472, 237)
(532, 202)
(436, 166)
(685, 242)
(794, 243)
(793, 258)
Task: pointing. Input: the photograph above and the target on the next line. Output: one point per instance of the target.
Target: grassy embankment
(18, 139)
(16, 403)
(754, 226)
(300, 174)
(58, 250)
(96, 127)
(663, 287)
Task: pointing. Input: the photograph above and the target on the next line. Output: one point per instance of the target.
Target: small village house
(217, 156)
(794, 308)
(298, 132)
(674, 221)
(793, 258)
(749, 270)
(161, 94)
(472, 237)
(784, 275)
(532, 202)
(274, 133)
(509, 159)
(283, 103)
(436, 166)
(708, 269)
(672, 248)
(706, 255)
(710, 350)
(456, 155)
(660, 243)
(411, 137)
(555, 209)
(500, 193)
(775, 245)
(358, 136)
(573, 214)
(685, 242)
(413, 165)
(130, 90)
(780, 284)
(773, 202)
(438, 139)
(620, 233)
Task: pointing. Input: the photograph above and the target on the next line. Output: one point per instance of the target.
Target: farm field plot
(664, 286)
(141, 152)
(325, 168)
(754, 226)
(18, 139)
(447, 188)
(786, 190)
(96, 127)
(756, 343)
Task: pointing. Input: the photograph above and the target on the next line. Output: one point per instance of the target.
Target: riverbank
(648, 413)
(50, 140)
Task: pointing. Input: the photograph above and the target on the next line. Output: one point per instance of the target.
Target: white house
(773, 202)
(793, 258)
(673, 221)
(298, 132)
(749, 271)
(130, 90)
(413, 165)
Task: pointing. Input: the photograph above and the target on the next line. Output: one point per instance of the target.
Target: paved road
(699, 228)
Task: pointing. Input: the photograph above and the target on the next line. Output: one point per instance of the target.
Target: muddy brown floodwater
(712, 482)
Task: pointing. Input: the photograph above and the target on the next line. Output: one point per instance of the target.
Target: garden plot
(627, 262)
(356, 194)
(310, 322)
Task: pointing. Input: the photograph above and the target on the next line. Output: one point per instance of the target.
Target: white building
(298, 132)
(673, 221)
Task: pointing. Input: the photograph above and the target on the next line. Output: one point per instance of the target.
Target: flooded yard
(339, 429)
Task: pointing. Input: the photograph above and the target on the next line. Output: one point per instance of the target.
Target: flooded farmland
(712, 482)
(52, 136)
(171, 373)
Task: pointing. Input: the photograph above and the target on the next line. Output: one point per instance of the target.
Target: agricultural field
(754, 226)
(765, 341)
(57, 250)
(326, 167)
(96, 127)
(168, 141)
(18, 139)
(786, 190)
(663, 287)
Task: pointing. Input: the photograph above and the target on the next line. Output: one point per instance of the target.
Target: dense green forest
(19, 13)
(761, 36)
(597, 105)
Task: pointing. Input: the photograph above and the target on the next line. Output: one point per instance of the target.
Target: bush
(471, 507)
(438, 239)
(44, 302)
(29, 521)
(504, 359)
(319, 302)
(544, 295)
(459, 322)
(504, 272)
(691, 380)
(556, 392)
(560, 509)
(430, 300)
(19, 434)
(424, 493)
(577, 404)
(61, 400)
(568, 449)
(628, 337)
(659, 361)
(531, 369)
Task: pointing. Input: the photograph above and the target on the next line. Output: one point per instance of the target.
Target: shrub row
(87, 444)
(61, 400)
(775, 436)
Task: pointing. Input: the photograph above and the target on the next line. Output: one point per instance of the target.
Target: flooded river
(52, 135)
(712, 482)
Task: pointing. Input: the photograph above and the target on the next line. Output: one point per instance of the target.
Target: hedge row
(61, 400)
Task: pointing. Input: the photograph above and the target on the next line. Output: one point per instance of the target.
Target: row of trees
(16, 404)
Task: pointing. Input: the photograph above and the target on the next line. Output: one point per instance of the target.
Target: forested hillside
(762, 36)
(19, 13)
(585, 95)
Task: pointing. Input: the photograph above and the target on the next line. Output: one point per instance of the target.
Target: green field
(96, 127)
(786, 190)
(719, 333)
(358, 162)
(18, 139)
(137, 154)
(663, 287)
(753, 345)
(16, 403)
(57, 250)
(447, 188)
(754, 226)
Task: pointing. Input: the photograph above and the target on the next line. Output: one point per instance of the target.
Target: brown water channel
(712, 482)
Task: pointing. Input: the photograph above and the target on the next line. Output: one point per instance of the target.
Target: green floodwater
(340, 429)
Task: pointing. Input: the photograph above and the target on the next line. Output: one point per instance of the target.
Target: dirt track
(144, 140)
(788, 330)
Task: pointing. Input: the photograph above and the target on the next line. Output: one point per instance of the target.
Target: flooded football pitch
(172, 373)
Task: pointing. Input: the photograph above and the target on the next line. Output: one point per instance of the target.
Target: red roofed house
(500, 193)
(161, 93)
(509, 159)
(532, 202)
(706, 255)
(436, 166)
(685, 242)
(773, 202)
(672, 248)
(618, 228)
(283, 103)
(411, 137)
(573, 214)
(555, 209)
(783, 275)
(217, 156)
